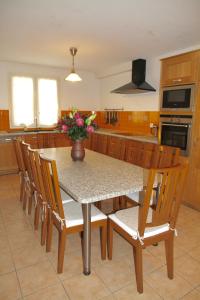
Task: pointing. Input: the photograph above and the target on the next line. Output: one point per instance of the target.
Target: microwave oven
(177, 98)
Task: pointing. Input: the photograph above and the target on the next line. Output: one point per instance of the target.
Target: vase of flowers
(78, 127)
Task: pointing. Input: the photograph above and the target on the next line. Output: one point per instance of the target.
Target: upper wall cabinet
(180, 69)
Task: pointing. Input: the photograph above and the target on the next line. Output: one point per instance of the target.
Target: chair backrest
(165, 210)
(51, 185)
(27, 164)
(19, 155)
(37, 172)
(165, 156)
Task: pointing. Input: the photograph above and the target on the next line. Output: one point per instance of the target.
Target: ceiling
(106, 32)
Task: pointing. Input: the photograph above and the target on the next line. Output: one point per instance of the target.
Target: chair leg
(37, 216)
(43, 229)
(21, 188)
(103, 237)
(110, 240)
(61, 250)
(49, 231)
(24, 200)
(169, 250)
(137, 253)
(30, 200)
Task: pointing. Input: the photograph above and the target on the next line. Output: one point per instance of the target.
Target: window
(34, 102)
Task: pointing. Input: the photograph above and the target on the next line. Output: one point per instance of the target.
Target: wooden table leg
(86, 208)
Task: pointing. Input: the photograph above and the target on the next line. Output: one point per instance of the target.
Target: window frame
(35, 79)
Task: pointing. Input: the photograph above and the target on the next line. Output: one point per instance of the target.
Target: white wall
(83, 95)
(121, 75)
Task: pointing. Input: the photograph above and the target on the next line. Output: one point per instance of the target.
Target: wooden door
(62, 140)
(134, 152)
(8, 160)
(116, 147)
(87, 142)
(31, 139)
(178, 70)
(99, 142)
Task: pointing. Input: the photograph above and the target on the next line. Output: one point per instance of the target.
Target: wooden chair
(30, 184)
(41, 204)
(161, 157)
(145, 225)
(67, 217)
(22, 170)
(115, 148)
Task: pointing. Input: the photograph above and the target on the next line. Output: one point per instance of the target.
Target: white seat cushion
(127, 219)
(74, 216)
(65, 197)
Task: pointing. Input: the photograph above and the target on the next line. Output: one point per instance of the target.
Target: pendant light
(73, 76)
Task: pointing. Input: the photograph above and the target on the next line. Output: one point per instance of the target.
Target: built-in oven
(176, 132)
(177, 98)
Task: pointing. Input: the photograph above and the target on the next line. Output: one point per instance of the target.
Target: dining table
(97, 178)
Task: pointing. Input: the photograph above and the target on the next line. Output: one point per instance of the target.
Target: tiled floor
(27, 272)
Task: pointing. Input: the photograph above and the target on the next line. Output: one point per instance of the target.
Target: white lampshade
(73, 77)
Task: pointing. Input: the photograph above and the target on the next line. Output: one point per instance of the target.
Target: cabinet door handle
(177, 80)
(7, 139)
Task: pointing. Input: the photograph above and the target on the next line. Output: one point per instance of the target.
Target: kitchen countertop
(111, 132)
(128, 135)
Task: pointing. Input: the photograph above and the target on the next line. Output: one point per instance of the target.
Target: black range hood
(138, 83)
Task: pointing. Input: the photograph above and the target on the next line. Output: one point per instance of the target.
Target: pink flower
(90, 129)
(79, 122)
(77, 116)
(64, 128)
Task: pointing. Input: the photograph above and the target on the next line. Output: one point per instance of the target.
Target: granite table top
(98, 177)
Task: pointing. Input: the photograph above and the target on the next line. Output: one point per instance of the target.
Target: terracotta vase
(78, 151)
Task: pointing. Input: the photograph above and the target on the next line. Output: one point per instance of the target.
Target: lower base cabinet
(8, 160)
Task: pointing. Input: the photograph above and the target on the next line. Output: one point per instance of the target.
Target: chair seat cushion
(127, 219)
(65, 197)
(74, 216)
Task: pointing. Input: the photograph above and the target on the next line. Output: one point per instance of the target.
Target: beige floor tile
(166, 288)
(110, 297)
(130, 292)
(6, 261)
(195, 253)
(83, 287)
(38, 276)
(193, 295)
(19, 226)
(55, 292)
(189, 269)
(159, 251)
(116, 274)
(9, 287)
(21, 240)
(73, 265)
(31, 254)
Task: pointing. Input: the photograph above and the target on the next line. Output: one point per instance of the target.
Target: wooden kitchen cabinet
(62, 140)
(87, 142)
(116, 147)
(32, 140)
(192, 187)
(180, 69)
(99, 142)
(8, 160)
